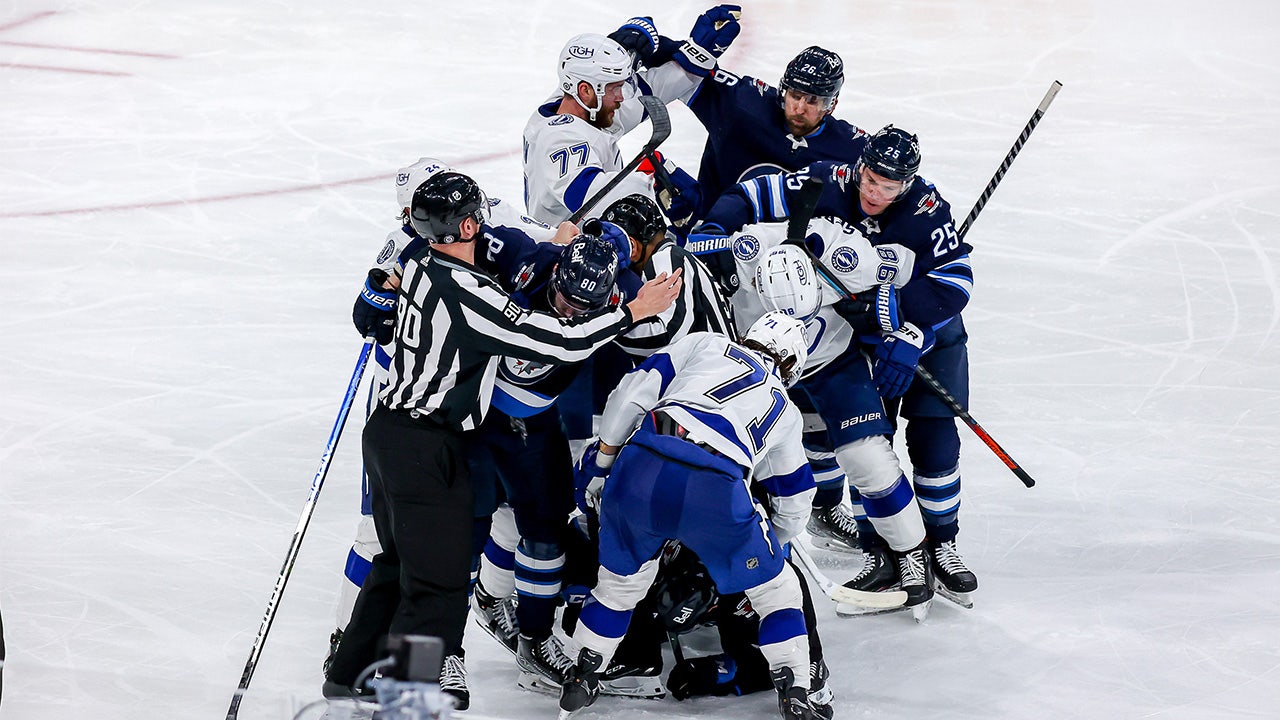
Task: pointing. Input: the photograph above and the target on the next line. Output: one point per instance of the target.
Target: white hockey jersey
(854, 261)
(567, 159)
(729, 398)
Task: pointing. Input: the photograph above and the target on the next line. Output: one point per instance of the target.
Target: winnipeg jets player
(682, 436)
(884, 199)
(571, 141)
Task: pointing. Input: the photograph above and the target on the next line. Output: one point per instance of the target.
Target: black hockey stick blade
(800, 211)
(661, 120)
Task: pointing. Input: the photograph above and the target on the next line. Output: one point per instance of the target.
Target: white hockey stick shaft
(842, 594)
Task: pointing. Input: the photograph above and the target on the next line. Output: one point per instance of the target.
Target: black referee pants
(422, 510)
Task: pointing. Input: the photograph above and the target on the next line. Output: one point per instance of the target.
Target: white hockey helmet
(787, 283)
(409, 178)
(783, 338)
(595, 60)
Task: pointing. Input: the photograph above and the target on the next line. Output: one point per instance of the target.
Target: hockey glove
(713, 32)
(896, 359)
(712, 675)
(711, 244)
(872, 312)
(375, 310)
(614, 235)
(678, 192)
(588, 478)
(638, 36)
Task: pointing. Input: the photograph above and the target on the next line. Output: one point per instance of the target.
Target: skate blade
(566, 714)
(920, 612)
(964, 600)
(827, 543)
(641, 687)
(536, 683)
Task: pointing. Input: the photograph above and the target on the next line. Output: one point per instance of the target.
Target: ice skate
(793, 701)
(545, 658)
(952, 579)
(833, 529)
(497, 616)
(820, 692)
(453, 681)
(582, 686)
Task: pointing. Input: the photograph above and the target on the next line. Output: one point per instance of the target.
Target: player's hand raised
(656, 295)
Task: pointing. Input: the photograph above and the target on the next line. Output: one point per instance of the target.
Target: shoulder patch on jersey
(761, 86)
(842, 175)
(388, 252)
(844, 258)
(560, 120)
(927, 204)
(522, 277)
(524, 371)
(746, 247)
(530, 221)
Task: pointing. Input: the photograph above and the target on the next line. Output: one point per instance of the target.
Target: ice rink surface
(190, 194)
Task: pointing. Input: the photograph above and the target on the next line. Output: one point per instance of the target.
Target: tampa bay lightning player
(882, 196)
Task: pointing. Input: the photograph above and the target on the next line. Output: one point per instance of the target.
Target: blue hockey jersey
(942, 279)
(747, 135)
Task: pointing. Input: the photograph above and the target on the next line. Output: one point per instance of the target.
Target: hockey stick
(296, 544)
(661, 130)
(803, 201)
(842, 594)
(1008, 159)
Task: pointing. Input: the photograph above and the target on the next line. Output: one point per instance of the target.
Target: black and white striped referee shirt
(699, 307)
(454, 321)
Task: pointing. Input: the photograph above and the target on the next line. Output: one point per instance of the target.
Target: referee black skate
(453, 321)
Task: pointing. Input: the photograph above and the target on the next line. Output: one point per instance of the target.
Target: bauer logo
(388, 251)
(581, 51)
(746, 248)
(844, 259)
(850, 422)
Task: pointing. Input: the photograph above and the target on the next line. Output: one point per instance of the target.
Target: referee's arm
(501, 327)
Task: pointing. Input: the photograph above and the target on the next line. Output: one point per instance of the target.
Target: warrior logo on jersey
(927, 204)
(844, 259)
(388, 251)
(522, 277)
(746, 247)
(841, 175)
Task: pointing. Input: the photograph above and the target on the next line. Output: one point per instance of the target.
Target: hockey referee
(453, 321)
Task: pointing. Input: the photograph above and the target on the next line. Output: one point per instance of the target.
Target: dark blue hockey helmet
(584, 280)
(639, 217)
(814, 71)
(892, 153)
(684, 592)
(442, 202)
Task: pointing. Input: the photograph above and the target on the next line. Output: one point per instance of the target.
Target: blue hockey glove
(614, 235)
(712, 675)
(639, 36)
(872, 312)
(896, 359)
(711, 244)
(713, 32)
(589, 477)
(375, 310)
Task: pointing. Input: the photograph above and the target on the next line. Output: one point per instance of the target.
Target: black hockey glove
(703, 676)
(713, 32)
(710, 243)
(872, 312)
(639, 36)
(375, 310)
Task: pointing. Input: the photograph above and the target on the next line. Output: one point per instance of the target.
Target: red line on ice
(475, 159)
(27, 19)
(51, 68)
(105, 51)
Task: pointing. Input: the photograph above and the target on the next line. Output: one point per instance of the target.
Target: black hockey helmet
(586, 275)
(639, 217)
(685, 592)
(442, 202)
(814, 71)
(892, 153)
